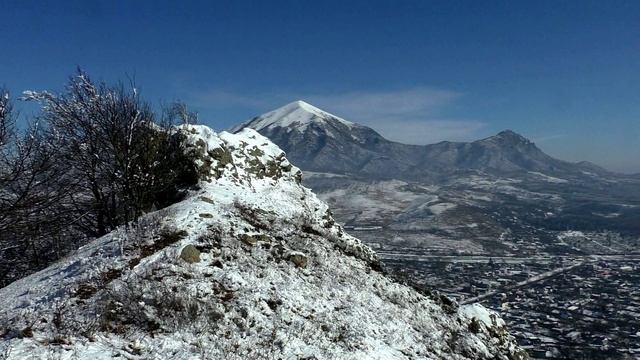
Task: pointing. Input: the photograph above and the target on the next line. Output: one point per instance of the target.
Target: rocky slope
(250, 266)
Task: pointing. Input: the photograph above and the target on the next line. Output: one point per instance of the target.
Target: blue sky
(566, 74)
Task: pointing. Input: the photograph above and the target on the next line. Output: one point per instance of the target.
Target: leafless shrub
(125, 161)
(155, 307)
(258, 218)
(96, 158)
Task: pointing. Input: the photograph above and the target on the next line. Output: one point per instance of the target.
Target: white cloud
(422, 132)
(547, 138)
(399, 105)
(409, 115)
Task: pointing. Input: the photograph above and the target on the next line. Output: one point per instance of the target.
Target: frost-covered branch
(95, 159)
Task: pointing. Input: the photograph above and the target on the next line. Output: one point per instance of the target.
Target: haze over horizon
(566, 75)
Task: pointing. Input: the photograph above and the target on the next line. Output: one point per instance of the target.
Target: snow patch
(438, 209)
(548, 178)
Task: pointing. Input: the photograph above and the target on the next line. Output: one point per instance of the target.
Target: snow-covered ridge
(252, 267)
(296, 115)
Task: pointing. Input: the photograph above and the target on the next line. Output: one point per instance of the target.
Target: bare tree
(178, 112)
(31, 187)
(6, 119)
(95, 159)
(126, 161)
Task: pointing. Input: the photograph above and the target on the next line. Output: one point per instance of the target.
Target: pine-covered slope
(249, 266)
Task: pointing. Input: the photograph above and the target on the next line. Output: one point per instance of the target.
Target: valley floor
(559, 307)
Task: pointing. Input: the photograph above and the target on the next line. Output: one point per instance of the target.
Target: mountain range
(322, 142)
(498, 195)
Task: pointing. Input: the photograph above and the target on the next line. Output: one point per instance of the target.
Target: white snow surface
(296, 115)
(440, 208)
(570, 234)
(246, 298)
(548, 178)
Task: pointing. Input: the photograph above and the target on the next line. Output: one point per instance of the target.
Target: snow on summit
(296, 115)
(251, 265)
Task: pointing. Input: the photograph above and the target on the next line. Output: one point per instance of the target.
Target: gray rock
(190, 254)
(299, 259)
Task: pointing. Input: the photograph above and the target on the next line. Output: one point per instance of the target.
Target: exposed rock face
(277, 278)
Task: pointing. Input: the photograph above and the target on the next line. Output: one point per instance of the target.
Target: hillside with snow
(249, 266)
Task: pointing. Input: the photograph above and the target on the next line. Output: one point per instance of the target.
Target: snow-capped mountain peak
(296, 115)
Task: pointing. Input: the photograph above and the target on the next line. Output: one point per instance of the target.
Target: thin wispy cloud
(546, 138)
(398, 104)
(422, 132)
(412, 116)
(217, 99)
